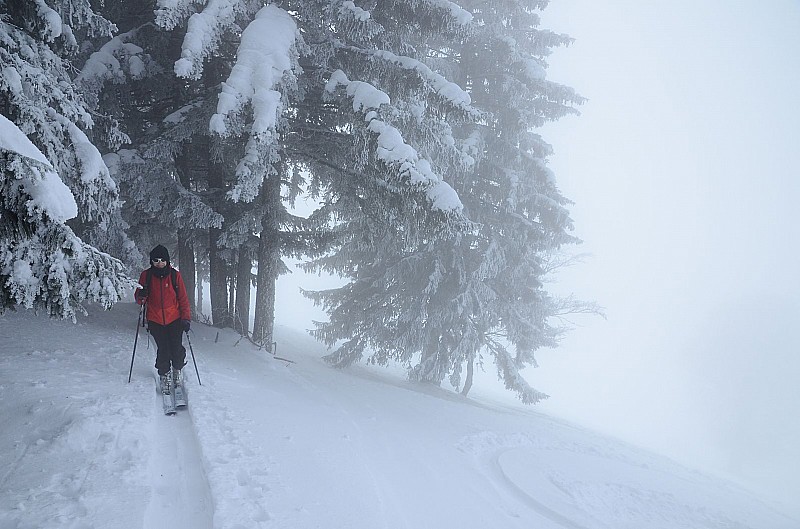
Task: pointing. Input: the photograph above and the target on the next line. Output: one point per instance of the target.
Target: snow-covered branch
(104, 65)
(205, 29)
(48, 194)
(265, 62)
(440, 85)
(391, 148)
(266, 53)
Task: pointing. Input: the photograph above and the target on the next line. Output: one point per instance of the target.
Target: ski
(180, 391)
(169, 404)
(168, 399)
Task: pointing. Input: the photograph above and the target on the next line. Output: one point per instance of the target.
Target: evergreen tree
(381, 224)
(442, 305)
(41, 45)
(308, 92)
(44, 265)
(165, 167)
(522, 215)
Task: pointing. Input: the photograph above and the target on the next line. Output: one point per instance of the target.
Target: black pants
(171, 351)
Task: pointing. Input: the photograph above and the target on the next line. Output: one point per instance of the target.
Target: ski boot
(166, 383)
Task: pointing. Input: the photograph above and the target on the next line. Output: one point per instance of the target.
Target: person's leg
(161, 335)
(177, 352)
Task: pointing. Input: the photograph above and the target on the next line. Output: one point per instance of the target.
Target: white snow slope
(266, 444)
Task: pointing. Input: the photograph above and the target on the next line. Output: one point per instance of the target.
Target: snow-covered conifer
(514, 200)
(40, 101)
(330, 95)
(442, 305)
(161, 161)
(38, 94)
(43, 264)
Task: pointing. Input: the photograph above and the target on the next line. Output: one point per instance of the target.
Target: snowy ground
(268, 444)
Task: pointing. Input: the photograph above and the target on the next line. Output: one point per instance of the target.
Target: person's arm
(140, 294)
(183, 300)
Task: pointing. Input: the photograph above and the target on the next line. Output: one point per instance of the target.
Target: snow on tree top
(264, 56)
(357, 12)
(461, 15)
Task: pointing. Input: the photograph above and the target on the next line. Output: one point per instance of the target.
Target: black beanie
(159, 251)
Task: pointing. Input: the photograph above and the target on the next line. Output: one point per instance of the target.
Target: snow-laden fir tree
(40, 49)
(242, 129)
(388, 172)
(488, 300)
(381, 226)
(166, 167)
(479, 296)
(43, 264)
(174, 170)
(310, 93)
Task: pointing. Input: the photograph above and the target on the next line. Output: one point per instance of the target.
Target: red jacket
(163, 306)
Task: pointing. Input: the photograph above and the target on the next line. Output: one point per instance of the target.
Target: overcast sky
(684, 171)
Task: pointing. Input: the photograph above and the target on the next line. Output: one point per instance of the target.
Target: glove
(186, 325)
(143, 292)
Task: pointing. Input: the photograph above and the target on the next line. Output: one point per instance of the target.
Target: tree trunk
(200, 297)
(218, 282)
(186, 257)
(269, 254)
(232, 296)
(187, 266)
(264, 323)
(468, 381)
(218, 269)
(243, 280)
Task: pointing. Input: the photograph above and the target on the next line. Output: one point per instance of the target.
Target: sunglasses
(159, 260)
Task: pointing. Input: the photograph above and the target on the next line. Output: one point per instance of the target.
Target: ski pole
(193, 360)
(135, 340)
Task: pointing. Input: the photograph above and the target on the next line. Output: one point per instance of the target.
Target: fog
(683, 168)
(684, 171)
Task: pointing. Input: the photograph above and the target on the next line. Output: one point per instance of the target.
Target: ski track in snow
(180, 495)
(595, 483)
(89, 450)
(299, 479)
(267, 445)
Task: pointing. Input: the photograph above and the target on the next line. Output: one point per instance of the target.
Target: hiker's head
(159, 256)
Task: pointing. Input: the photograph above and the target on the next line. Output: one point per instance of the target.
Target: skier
(168, 314)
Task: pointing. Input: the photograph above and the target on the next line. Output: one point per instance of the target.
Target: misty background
(683, 167)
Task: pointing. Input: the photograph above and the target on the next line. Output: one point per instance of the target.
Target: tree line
(198, 123)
